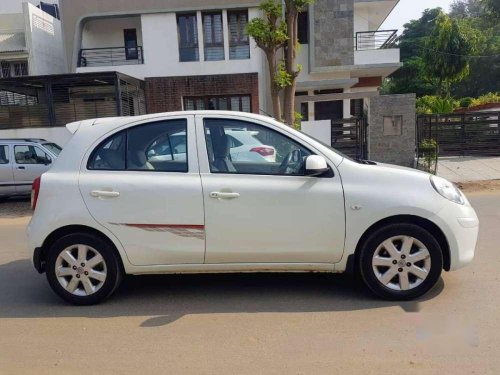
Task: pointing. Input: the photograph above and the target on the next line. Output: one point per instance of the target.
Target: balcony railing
(110, 56)
(367, 40)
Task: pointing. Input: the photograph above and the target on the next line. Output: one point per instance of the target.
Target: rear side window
(159, 146)
(4, 154)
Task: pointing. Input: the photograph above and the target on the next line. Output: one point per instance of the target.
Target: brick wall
(164, 94)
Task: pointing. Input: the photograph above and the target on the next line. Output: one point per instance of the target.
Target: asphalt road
(247, 324)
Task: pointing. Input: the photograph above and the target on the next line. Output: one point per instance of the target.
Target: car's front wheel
(400, 261)
(83, 269)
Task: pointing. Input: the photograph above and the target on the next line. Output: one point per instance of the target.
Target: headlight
(447, 190)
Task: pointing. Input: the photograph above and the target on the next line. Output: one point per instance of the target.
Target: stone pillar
(391, 130)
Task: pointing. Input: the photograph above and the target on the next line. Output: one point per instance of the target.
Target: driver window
(245, 148)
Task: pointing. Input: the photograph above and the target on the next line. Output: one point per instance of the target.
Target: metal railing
(368, 40)
(110, 56)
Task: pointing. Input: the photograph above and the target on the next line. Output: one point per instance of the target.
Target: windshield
(52, 147)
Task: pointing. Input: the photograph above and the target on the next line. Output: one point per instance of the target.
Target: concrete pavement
(247, 324)
(469, 168)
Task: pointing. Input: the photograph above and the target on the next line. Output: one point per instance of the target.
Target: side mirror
(316, 165)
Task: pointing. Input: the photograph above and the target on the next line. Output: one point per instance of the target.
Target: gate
(461, 134)
(349, 136)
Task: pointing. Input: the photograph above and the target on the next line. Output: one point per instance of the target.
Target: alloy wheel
(401, 263)
(81, 270)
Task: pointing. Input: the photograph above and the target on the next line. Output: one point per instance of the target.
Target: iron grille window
(14, 69)
(213, 36)
(188, 37)
(239, 43)
(20, 69)
(240, 103)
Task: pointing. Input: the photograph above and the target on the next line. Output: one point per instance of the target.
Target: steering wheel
(291, 163)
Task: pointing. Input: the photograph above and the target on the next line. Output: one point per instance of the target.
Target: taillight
(264, 151)
(35, 189)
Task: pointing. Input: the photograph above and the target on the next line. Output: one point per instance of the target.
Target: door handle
(104, 194)
(221, 195)
(21, 167)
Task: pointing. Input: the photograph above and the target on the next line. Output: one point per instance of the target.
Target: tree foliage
(447, 50)
(477, 23)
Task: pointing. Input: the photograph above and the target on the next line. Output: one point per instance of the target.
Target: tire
(409, 277)
(94, 283)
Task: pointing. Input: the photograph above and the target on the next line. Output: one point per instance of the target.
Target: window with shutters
(213, 36)
(239, 43)
(188, 37)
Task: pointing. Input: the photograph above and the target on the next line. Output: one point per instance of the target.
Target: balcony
(110, 56)
(370, 40)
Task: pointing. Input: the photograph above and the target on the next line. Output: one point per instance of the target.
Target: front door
(30, 162)
(6, 174)
(143, 185)
(259, 206)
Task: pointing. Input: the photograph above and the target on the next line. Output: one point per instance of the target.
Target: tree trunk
(290, 57)
(274, 89)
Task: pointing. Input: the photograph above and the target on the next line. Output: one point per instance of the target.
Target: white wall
(59, 135)
(376, 56)
(321, 130)
(102, 33)
(16, 6)
(44, 42)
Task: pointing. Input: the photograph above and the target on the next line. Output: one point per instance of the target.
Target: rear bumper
(38, 263)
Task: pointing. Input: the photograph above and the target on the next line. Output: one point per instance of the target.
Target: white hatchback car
(104, 209)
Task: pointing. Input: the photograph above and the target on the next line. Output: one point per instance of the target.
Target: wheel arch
(428, 225)
(72, 229)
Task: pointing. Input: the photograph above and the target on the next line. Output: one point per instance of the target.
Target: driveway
(469, 168)
(247, 324)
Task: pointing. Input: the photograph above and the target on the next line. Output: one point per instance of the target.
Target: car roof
(124, 120)
(23, 140)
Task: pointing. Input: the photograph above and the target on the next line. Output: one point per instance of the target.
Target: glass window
(213, 36)
(188, 37)
(303, 28)
(30, 155)
(241, 147)
(239, 43)
(4, 154)
(240, 103)
(159, 146)
(54, 148)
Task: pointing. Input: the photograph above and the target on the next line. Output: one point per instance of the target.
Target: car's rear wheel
(83, 269)
(400, 262)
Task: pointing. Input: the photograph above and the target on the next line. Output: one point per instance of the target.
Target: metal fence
(55, 100)
(461, 134)
(349, 136)
(110, 56)
(367, 40)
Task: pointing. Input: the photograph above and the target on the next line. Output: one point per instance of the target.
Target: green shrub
(435, 104)
(465, 102)
(491, 97)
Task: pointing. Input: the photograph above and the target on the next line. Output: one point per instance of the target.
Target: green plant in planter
(429, 155)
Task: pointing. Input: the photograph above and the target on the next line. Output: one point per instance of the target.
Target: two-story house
(30, 40)
(196, 55)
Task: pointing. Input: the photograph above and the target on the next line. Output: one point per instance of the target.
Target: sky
(407, 10)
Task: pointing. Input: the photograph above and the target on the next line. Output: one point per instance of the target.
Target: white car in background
(244, 145)
(308, 209)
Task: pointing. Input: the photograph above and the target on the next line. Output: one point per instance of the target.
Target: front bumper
(460, 226)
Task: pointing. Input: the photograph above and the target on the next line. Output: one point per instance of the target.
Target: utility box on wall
(391, 130)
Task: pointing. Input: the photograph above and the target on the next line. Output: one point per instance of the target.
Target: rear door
(143, 184)
(30, 162)
(6, 174)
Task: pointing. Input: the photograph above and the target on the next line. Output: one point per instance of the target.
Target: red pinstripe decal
(173, 226)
